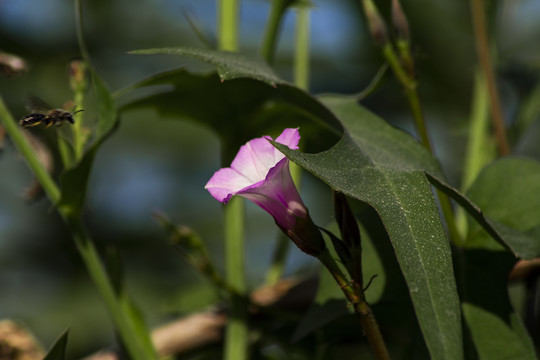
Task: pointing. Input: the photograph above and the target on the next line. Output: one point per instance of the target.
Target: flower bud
(375, 23)
(78, 75)
(346, 221)
(399, 20)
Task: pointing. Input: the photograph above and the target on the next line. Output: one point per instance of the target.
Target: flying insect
(41, 113)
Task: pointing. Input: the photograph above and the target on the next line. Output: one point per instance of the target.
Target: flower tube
(260, 173)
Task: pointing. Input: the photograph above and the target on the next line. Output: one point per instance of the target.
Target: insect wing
(37, 105)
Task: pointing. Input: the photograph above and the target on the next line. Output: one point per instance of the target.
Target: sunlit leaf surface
(384, 167)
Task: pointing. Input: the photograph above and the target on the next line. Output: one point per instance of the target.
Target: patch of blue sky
(331, 22)
(43, 21)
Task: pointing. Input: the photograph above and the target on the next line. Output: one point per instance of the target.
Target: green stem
(418, 116)
(236, 332)
(482, 49)
(236, 335)
(395, 64)
(79, 29)
(28, 153)
(234, 244)
(410, 90)
(66, 153)
(302, 46)
(78, 129)
(480, 148)
(277, 265)
(228, 24)
(124, 326)
(272, 29)
(410, 86)
(355, 295)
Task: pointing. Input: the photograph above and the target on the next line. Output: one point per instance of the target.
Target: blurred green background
(153, 163)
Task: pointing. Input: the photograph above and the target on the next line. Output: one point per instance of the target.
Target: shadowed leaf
(58, 349)
(238, 110)
(505, 192)
(229, 65)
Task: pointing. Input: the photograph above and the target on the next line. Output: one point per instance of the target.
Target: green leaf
(58, 349)
(74, 181)
(328, 305)
(106, 116)
(229, 65)
(507, 192)
(139, 325)
(384, 168)
(522, 244)
(504, 190)
(494, 330)
(238, 110)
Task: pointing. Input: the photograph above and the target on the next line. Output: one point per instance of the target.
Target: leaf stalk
(355, 295)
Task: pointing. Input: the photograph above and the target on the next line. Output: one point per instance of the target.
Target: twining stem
(483, 52)
(271, 31)
(237, 331)
(410, 86)
(355, 295)
(126, 329)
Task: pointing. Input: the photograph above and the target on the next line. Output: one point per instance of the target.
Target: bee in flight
(41, 113)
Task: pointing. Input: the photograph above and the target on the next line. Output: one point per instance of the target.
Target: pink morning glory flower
(260, 173)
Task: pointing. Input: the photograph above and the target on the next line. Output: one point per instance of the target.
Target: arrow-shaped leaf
(229, 65)
(384, 168)
(239, 110)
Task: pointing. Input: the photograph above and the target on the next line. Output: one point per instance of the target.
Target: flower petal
(225, 183)
(251, 166)
(289, 137)
(254, 159)
(277, 195)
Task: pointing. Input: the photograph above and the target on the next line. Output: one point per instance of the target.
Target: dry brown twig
(16, 343)
(205, 328)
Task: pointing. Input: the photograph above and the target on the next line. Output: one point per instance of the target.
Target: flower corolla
(260, 173)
